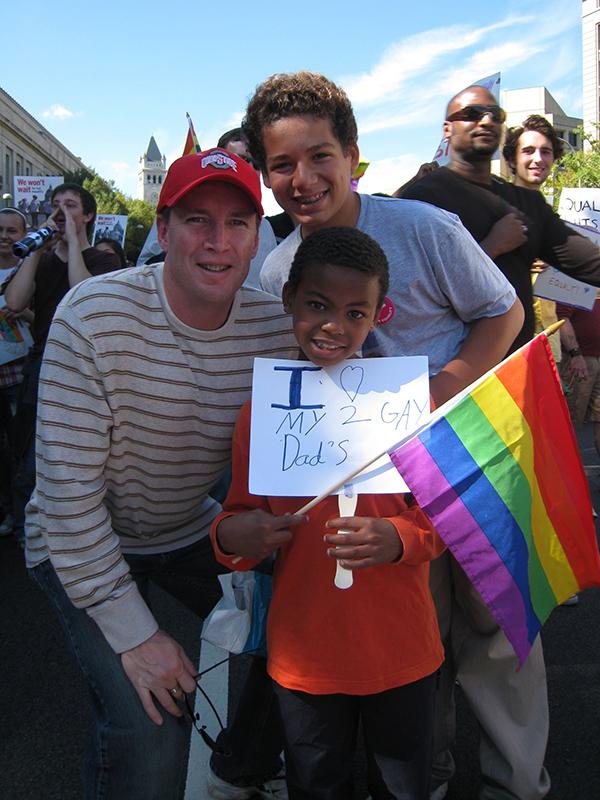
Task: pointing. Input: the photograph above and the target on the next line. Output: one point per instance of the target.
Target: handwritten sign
(555, 285)
(581, 206)
(313, 426)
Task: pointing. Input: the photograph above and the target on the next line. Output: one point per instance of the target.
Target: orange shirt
(380, 633)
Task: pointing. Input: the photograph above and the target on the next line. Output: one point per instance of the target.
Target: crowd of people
(132, 422)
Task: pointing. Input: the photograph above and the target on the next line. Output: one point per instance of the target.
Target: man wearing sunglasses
(514, 226)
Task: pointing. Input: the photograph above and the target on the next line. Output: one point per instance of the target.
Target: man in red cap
(143, 375)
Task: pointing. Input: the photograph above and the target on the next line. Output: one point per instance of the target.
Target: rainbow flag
(191, 145)
(358, 173)
(498, 471)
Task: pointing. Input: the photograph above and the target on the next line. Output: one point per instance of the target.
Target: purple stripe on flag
(466, 540)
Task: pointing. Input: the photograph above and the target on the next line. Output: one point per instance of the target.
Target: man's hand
(156, 666)
(70, 235)
(373, 541)
(508, 233)
(426, 169)
(579, 368)
(26, 315)
(256, 534)
(50, 223)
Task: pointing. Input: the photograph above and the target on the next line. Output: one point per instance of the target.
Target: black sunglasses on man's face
(476, 112)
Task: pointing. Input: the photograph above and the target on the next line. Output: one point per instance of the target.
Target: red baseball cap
(210, 165)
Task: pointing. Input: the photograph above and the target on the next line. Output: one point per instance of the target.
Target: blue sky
(103, 77)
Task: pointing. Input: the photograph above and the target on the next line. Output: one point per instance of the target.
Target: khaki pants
(583, 397)
(511, 707)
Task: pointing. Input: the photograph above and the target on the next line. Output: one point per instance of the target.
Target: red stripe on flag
(533, 383)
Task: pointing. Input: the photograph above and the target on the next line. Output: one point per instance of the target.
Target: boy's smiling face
(309, 172)
(333, 309)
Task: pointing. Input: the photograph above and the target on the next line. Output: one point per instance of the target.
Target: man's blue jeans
(130, 757)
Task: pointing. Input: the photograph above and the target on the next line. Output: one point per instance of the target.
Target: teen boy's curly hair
(536, 123)
(341, 247)
(292, 94)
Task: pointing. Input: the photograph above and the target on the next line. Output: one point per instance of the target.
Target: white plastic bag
(228, 624)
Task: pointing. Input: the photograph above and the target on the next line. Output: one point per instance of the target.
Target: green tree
(141, 217)
(110, 200)
(577, 168)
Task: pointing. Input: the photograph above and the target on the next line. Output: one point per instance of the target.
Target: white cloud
(57, 111)
(416, 54)
(497, 58)
(413, 80)
(123, 173)
(569, 98)
(384, 120)
(233, 121)
(387, 174)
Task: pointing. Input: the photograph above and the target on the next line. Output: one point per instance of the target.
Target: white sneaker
(440, 792)
(275, 789)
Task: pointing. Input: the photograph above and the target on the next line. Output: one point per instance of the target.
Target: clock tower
(151, 173)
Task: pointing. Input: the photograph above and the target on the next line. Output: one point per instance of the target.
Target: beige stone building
(590, 35)
(27, 148)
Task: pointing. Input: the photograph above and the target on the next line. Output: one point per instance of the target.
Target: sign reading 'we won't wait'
(312, 426)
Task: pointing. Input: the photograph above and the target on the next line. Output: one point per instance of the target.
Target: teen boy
(446, 298)
(42, 280)
(530, 150)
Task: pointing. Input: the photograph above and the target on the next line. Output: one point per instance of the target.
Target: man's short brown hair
(295, 94)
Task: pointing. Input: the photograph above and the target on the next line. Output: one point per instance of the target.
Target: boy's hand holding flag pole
(498, 471)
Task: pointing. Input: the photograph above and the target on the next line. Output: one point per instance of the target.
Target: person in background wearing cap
(143, 376)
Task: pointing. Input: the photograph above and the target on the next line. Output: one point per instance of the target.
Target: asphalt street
(44, 720)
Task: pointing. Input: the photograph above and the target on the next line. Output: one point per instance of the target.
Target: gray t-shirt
(441, 281)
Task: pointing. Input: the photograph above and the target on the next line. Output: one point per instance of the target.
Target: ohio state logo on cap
(388, 309)
(218, 160)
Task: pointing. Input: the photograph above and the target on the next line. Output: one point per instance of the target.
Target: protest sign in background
(593, 234)
(555, 285)
(580, 206)
(313, 426)
(32, 196)
(110, 226)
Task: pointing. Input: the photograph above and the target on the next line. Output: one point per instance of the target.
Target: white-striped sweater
(135, 417)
